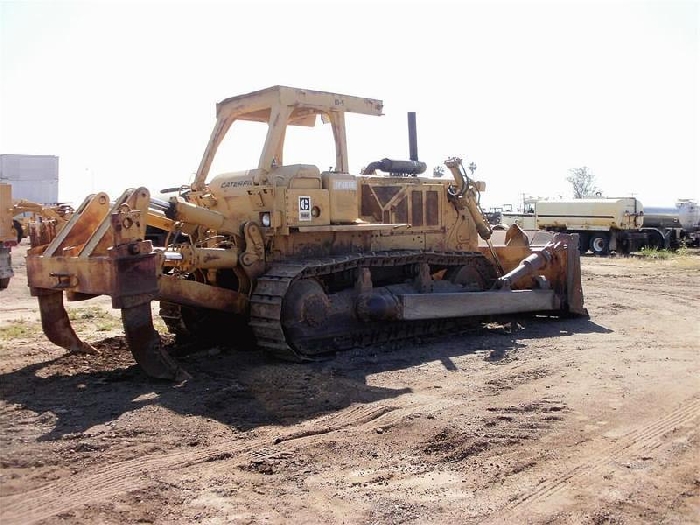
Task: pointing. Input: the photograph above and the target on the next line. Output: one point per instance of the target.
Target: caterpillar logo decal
(236, 183)
(304, 208)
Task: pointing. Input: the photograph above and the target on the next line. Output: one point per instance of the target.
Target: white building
(33, 177)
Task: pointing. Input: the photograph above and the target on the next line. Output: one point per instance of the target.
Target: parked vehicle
(605, 225)
(672, 227)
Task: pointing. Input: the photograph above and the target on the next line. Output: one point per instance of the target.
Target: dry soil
(545, 420)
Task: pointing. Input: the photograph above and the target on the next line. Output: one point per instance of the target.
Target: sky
(125, 92)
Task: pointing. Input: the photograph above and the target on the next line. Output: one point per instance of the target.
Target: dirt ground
(543, 421)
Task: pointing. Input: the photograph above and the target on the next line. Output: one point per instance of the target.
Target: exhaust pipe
(412, 136)
(411, 167)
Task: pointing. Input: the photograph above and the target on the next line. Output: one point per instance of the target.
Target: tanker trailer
(310, 261)
(670, 228)
(689, 216)
(603, 224)
(662, 227)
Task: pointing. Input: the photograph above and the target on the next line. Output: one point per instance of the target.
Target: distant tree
(582, 182)
(438, 171)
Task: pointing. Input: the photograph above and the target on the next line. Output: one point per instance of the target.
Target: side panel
(321, 244)
(342, 189)
(307, 207)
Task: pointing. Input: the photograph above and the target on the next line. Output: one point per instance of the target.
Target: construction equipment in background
(310, 262)
(8, 235)
(40, 222)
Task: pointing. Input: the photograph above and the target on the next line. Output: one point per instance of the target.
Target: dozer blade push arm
(555, 286)
(464, 196)
(530, 265)
(560, 259)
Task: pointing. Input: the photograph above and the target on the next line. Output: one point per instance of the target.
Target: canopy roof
(282, 106)
(258, 105)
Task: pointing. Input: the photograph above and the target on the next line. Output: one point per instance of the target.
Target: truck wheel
(625, 246)
(583, 243)
(599, 243)
(4, 283)
(655, 240)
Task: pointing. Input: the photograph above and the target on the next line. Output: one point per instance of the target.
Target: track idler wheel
(305, 314)
(146, 346)
(56, 325)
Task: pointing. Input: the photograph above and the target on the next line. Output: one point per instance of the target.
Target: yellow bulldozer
(309, 261)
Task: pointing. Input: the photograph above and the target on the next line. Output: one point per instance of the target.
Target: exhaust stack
(412, 136)
(412, 167)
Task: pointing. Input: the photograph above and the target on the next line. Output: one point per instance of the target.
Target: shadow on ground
(246, 389)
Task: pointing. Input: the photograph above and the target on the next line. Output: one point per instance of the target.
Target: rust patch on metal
(56, 325)
(146, 346)
(432, 208)
(401, 211)
(369, 205)
(385, 193)
(417, 208)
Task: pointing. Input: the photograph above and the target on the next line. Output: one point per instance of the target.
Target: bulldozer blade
(57, 327)
(146, 346)
(574, 287)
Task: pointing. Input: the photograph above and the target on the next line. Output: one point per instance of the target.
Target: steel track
(267, 302)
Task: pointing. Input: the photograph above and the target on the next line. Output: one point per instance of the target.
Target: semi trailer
(613, 224)
(673, 227)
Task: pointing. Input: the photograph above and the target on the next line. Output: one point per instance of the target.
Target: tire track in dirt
(355, 416)
(66, 494)
(642, 439)
(358, 418)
